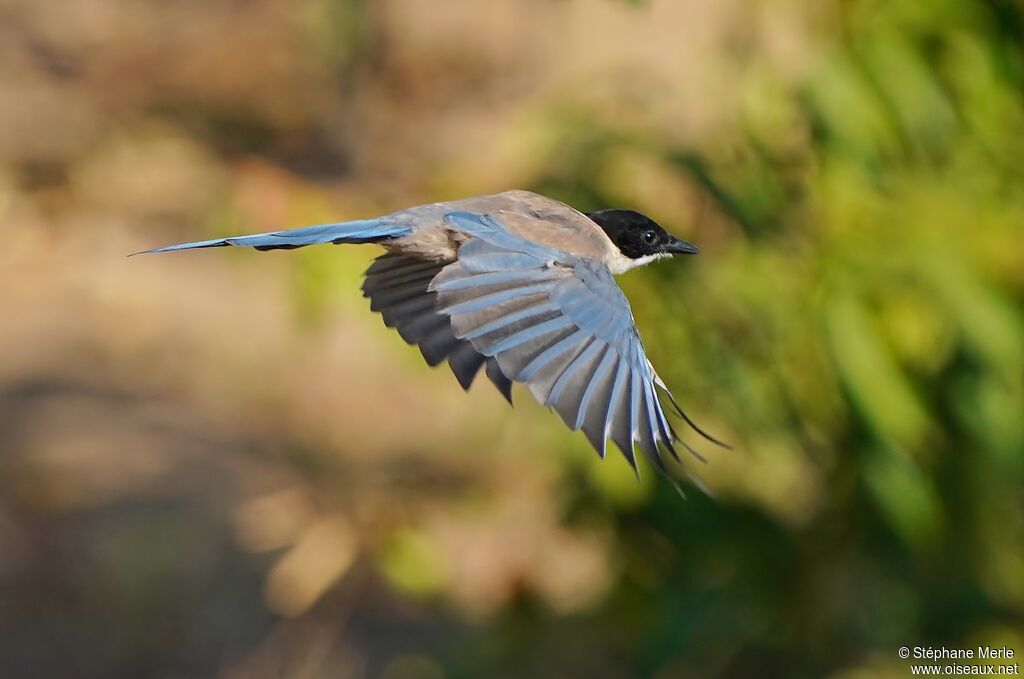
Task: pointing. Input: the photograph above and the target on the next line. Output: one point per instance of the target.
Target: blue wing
(561, 325)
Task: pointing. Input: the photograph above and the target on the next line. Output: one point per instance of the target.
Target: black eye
(649, 237)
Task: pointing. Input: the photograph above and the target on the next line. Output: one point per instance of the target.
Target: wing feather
(594, 384)
(618, 418)
(392, 295)
(501, 296)
(601, 391)
(567, 393)
(543, 308)
(503, 383)
(646, 412)
(438, 345)
(465, 363)
(573, 379)
(557, 349)
(501, 280)
(530, 335)
(398, 288)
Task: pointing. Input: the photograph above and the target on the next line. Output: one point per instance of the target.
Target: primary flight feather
(522, 286)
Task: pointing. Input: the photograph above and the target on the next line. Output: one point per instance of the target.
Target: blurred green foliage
(863, 321)
(854, 328)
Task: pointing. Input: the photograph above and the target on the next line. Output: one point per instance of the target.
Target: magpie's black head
(638, 236)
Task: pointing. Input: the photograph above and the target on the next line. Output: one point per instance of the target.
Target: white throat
(618, 263)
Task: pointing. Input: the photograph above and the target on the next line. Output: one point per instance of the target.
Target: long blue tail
(359, 231)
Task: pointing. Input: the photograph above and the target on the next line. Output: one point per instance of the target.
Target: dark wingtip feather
(626, 447)
(669, 443)
(503, 383)
(465, 363)
(692, 451)
(597, 439)
(692, 424)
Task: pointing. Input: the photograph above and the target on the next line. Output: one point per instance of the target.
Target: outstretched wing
(396, 285)
(561, 325)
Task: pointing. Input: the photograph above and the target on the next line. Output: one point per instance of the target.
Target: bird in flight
(522, 286)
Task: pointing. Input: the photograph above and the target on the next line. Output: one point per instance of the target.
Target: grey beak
(681, 247)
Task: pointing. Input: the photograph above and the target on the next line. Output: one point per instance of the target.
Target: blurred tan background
(219, 463)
